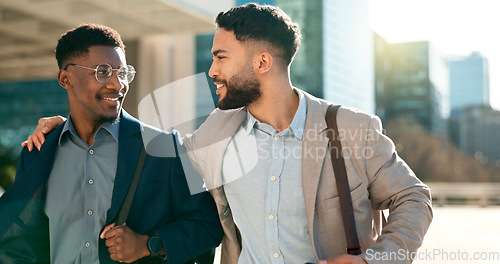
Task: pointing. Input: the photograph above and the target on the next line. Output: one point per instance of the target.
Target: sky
(455, 27)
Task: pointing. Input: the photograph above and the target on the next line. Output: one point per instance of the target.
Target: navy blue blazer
(188, 224)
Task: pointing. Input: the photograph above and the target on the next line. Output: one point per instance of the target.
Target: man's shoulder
(346, 115)
(51, 140)
(225, 115)
(352, 114)
(222, 122)
(157, 142)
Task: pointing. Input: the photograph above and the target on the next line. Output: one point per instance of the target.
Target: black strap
(121, 218)
(339, 169)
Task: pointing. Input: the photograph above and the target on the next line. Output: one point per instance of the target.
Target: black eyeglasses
(104, 71)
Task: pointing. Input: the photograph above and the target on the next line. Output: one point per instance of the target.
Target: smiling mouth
(111, 99)
(219, 89)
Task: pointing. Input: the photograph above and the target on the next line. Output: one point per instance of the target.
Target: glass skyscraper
(412, 83)
(469, 81)
(335, 60)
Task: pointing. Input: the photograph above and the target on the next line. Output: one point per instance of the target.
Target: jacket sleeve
(197, 228)
(24, 237)
(394, 186)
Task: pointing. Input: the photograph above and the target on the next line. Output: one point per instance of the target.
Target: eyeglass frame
(129, 68)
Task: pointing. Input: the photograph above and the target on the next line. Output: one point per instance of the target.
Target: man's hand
(345, 259)
(125, 245)
(45, 125)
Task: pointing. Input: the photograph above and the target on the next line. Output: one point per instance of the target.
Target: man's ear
(263, 62)
(63, 79)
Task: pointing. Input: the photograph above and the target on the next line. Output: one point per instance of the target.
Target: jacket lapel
(314, 150)
(129, 148)
(227, 132)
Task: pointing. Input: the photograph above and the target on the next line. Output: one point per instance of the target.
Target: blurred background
(425, 67)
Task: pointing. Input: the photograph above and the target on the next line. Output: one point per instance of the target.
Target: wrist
(144, 249)
(155, 246)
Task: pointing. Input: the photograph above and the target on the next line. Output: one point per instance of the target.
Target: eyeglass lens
(105, 71)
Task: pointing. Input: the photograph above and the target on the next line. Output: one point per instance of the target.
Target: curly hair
(263, 23)
(77, 41)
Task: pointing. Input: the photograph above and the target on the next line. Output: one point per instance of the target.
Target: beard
(242, 90)
(109, 120)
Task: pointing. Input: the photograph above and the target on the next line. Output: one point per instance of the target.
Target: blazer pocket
(356, 193)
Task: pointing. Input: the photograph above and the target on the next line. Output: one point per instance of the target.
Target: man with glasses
(65, 198)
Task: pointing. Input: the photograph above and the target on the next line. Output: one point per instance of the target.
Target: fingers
(40, 131)
(114, 241)
(37, 141)
(47, 124)
(106, 230)
(29, 143)
(114, 244)
(37, 138)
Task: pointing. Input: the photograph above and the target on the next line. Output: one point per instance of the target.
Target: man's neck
(85, 129)
(277, 106)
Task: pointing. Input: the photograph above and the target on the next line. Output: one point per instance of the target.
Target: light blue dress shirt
(79, 193)
(263, 184)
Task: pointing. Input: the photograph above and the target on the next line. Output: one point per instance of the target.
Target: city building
(474, 130)
(469, 81)
(411, 82)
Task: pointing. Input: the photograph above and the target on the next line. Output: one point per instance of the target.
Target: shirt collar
(298, 122)
(112, 128)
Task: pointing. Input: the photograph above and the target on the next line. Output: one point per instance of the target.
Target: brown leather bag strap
(339, 169)
(123, 213)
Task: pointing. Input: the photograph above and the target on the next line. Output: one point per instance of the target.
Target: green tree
(434, 158)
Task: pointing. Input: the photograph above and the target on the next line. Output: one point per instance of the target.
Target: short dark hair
(263, 23)
(77, 41)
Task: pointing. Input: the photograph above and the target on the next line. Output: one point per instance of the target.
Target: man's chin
(224, 105)
(110, 118)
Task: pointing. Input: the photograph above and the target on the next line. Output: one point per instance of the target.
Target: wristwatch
(155, 245)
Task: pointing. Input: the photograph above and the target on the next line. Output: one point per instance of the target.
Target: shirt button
(276, 138)
(91, 152)
(273, 178)
(87, 244)
(89, 212)
(276, 255)
(91, 181)
(271, 217)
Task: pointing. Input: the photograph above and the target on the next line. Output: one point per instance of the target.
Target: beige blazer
(378, 179)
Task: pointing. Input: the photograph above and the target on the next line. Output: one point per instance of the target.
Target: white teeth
(219, 85)
(111, 99)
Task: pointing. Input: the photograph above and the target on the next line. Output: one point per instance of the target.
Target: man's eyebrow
(216, 52)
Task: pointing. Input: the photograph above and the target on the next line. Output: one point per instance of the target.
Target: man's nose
(214, 70)
(115, 83)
